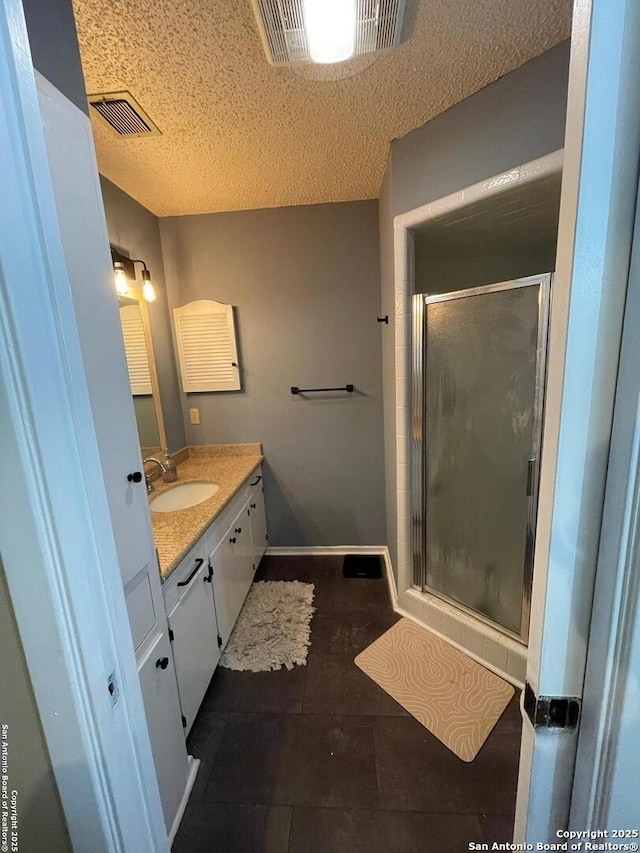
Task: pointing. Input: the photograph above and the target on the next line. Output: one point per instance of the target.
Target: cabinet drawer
(224, 520)
(178, 583)
(253, 482)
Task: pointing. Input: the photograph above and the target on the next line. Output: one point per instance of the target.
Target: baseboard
(194, 766)
(391, 579)
(320, 550)
(338, 550)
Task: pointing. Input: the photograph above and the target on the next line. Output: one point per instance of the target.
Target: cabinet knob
(233, 540)
(162, 663)
(253, 506)
(135, 477)
(238, 530)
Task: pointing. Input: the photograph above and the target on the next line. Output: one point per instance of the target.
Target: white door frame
(423, 606)
(56, 539)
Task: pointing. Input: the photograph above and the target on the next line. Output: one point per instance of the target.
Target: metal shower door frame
(418, 439)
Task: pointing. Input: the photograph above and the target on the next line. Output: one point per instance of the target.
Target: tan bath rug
(454, 697)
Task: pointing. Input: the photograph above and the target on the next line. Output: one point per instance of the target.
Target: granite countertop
(227, 465)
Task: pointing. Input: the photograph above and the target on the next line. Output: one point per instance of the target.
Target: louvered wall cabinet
(206, 345)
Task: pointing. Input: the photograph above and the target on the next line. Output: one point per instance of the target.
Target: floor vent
(124, 114)
(362, 566)
(281, 25)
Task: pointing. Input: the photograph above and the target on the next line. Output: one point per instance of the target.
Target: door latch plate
(552, 712)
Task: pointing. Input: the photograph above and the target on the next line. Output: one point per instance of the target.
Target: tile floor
(321, 760)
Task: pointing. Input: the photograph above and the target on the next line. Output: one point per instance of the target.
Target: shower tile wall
(499, 653)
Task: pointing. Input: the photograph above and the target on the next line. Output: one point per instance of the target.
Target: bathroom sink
(183, 496)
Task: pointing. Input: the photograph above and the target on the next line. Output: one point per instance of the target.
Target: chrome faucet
(161, 465)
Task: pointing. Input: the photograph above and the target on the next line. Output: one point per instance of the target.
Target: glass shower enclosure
(477, 396)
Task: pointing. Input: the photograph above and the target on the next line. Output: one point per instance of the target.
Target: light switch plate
(194, 415)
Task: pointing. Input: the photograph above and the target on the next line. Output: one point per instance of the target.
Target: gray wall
(443, 275)
(305, 285)
(516, 119)
(42, 825)
(134, 231)
(54, 46)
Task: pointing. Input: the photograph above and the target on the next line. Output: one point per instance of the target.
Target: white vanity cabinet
(174, 768)
(162, 708)
(232, 566)
(257, 523)
(194, 633)
(203, 596)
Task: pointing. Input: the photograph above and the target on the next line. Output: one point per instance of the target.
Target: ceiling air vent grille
(123, 113)
(281, 24)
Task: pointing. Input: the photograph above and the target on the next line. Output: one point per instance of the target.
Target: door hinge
(219, 641)
(552, 712)
(172, 636)
(184, 722)
(210, 574)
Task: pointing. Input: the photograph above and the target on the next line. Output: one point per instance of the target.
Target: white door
(596, 227)
(610, 731)
(81, 212)
(55, 514)
(195, 642)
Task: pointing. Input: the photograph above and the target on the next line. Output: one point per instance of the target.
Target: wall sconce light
(148, 290)
(124, 269)
(120, 278)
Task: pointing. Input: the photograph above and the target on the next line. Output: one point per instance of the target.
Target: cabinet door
(195, 642)
(258, 521)
(162, 708)
(232, 565)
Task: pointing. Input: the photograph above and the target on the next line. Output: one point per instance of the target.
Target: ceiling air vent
(124, 114)
(282, 28)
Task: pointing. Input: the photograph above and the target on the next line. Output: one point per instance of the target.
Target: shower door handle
(531, 476)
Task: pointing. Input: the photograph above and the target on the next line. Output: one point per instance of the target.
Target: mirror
(138, 344)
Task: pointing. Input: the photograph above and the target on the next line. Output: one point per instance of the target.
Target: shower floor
(319, 758)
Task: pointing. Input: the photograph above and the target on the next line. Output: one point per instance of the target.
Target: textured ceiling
(239, 133)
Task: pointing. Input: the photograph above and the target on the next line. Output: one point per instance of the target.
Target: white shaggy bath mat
(273, 628)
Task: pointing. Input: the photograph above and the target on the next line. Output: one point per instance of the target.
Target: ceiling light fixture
(331, 29)
(124, 270)
(325, 33)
